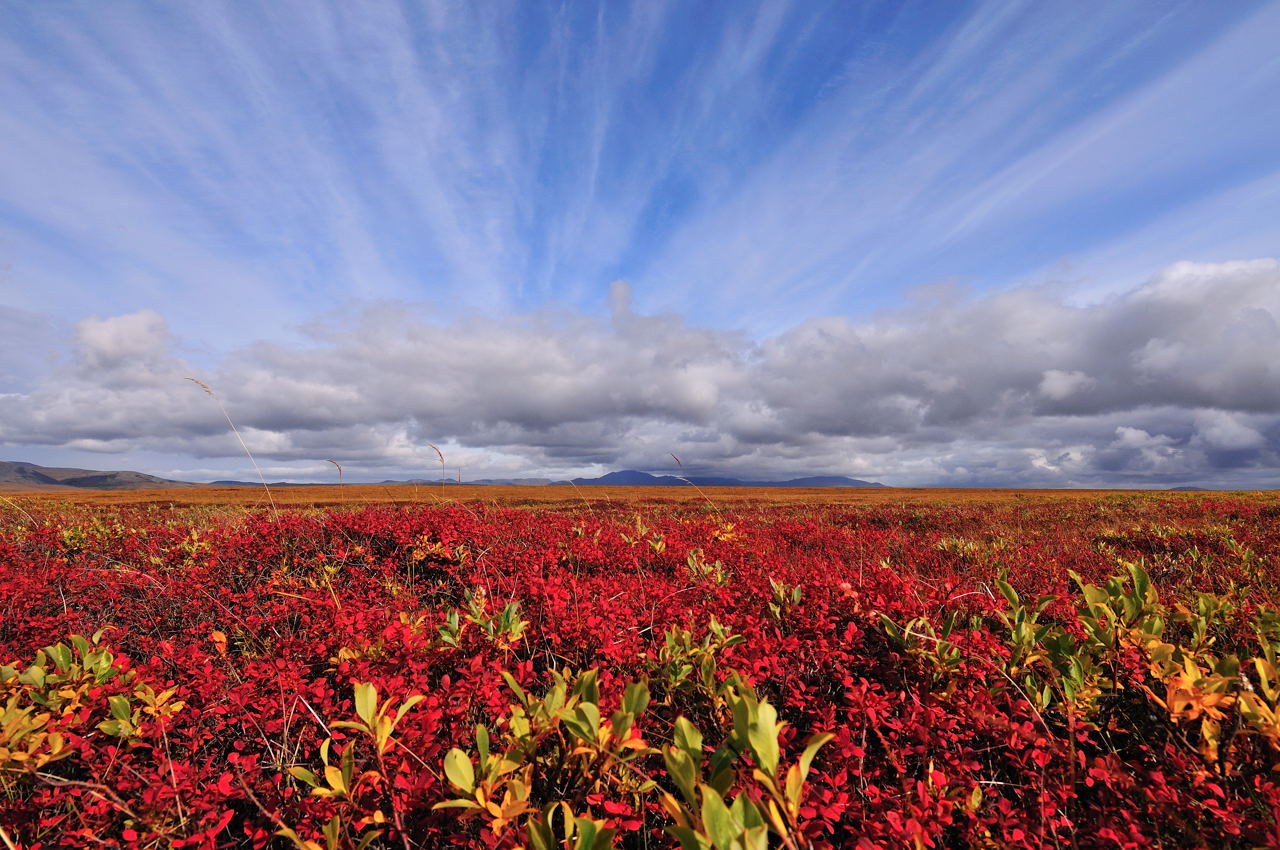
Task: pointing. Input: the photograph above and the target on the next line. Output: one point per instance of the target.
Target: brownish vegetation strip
(326, 495)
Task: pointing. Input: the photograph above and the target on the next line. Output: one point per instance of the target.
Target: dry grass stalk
(209, 390)
(440, 455)
(691, 484)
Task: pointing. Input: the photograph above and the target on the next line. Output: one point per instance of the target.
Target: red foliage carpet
(966, 712)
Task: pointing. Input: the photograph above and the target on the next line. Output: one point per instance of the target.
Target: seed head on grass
(209, 390)
(681, 477)
(440, 455)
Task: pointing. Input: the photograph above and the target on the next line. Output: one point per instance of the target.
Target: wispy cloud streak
(742, 164)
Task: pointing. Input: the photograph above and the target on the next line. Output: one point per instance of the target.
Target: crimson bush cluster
(1021, 672)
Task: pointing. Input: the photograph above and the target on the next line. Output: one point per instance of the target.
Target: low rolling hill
(15, 475)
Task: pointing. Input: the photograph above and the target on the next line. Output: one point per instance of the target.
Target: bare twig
(173, 777)
(323, 725)
(18, 507)
(102, 792)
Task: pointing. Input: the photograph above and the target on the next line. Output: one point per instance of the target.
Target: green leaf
(406, 705)
(1141, 581)
(794, 786)
(589, 715)
(515, 688)
(286, 832)
(1007, 591)
(33, 675)
(816, 743)
(746, 812)
(540, 836)
(556, 696)
(717, 820)
(587, 832)
(117, 728)
(722, 779)
(756, 838)
(891, 628)
(708, 670)
(459, 770)
(80, 644)
(98, 662)
(604, 839)
(482, 743)
(588, 687)
(348, 764)
(689, 840)
(762, 734)
(60, 655)
(518, 725)
(621, 724)
(683, 771)
(567, 825)
(368, 838)
(457, 804)
(636, 698)
(120, 707)
(722, 761)
(333, 832)
(688, 738)
(366, 702)
(305, 775)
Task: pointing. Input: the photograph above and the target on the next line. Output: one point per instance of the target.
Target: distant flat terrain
(355, 494)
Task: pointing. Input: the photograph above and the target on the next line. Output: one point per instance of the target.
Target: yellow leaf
(672, 807)
(333, 776)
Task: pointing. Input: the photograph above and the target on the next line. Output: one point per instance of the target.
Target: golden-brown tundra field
(346, 668)
(332, 495)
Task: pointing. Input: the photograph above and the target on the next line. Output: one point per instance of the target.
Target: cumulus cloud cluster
(1174, 382)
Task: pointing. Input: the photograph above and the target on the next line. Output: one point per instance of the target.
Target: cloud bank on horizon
(1176, 381)
(927, 243)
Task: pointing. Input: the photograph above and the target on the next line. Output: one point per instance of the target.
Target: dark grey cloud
(1176, 381)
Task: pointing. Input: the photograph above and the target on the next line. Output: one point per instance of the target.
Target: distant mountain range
(506, 482)
(632, 478)
(29, 476)
(635, 478)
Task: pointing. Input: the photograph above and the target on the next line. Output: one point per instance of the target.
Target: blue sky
(251, 189)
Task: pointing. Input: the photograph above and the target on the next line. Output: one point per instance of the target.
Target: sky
(921, 243)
